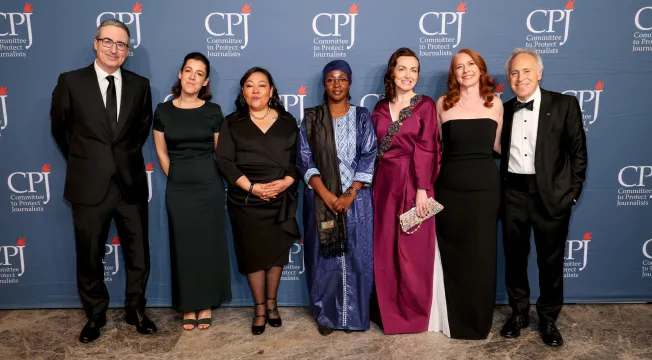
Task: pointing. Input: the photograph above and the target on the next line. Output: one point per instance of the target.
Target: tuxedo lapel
(544, 120)
(126, 101)
(508, 120)
(91, 88)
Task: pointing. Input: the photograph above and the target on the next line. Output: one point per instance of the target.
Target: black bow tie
(521, 105)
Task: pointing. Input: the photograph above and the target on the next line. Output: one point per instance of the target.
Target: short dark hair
(113, 22)
(275, 103)
(205, 91)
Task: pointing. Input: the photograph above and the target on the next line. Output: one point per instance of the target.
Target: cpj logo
(4, 118)
(291, 101)
(549, 29)
(643, 36)
(111, 259)
(12, 262)
(442, 31)
(633, 180)
(30, 191)
(131, 19)
(498, 91)
(16, 32)
(590, 98)
(296, 266)
(229, 32)
(647, 262)
(369, 100)
(576, 256)
(149, 169)
(335, 33)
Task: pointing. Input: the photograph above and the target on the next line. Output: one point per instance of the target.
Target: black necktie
(521, 105)
(112, 103)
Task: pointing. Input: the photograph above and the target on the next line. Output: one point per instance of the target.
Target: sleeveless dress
(469, 188)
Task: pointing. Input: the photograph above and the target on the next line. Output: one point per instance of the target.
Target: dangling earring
(269, 103)
(242, 101)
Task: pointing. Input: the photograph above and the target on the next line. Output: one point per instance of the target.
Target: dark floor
(591, 332)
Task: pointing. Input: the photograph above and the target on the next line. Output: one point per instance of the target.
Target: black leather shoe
(324, 330)
(550, 334)
(513, 326)
(91, 330)
(271, 321)
(143, 324)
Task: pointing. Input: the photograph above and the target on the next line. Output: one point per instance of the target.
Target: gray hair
(113, 22)
(520, 51)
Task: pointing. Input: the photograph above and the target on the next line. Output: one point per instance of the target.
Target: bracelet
(251, 188)
(354, 189)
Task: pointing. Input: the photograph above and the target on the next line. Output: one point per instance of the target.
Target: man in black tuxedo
(543, 166)
(101, 116)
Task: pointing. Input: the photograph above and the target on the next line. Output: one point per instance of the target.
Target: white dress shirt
(524, 137)
(104, 84)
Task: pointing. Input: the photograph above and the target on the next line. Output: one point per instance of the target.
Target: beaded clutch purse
(410, 219)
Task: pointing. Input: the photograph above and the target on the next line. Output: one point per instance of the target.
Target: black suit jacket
(560, 157)
(95, 154)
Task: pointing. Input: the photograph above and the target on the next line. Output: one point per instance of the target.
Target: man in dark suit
(543, 166)
(101, 116)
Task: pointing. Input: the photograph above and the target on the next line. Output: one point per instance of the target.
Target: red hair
(487, 83)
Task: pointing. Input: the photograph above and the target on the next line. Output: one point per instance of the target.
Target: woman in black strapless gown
(468, 186)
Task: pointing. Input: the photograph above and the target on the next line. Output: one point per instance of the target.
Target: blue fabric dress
(340, 287)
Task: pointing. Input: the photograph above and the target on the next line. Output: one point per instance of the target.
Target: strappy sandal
(192, 322)
(205, 321)
(274, 322)
(259, 329)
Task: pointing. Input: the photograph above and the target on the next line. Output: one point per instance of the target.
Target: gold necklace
(260, 118)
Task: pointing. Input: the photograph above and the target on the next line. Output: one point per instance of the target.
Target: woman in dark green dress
(186, 132)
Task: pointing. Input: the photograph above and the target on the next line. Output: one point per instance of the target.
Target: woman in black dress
(185, 133)
(256, 154)
(468, 186)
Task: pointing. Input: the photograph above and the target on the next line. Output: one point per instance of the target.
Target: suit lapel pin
(548, 114)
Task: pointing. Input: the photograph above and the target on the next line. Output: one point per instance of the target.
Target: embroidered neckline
(395, 126)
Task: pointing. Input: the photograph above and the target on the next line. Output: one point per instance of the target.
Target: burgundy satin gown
(404, 264)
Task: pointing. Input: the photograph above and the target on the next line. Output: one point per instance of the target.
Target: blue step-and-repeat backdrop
(599, 51)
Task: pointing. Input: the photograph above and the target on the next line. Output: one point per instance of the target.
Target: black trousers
(91, 232)
(524, 211)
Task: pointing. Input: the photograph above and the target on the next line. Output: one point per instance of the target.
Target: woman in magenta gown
(409, 154)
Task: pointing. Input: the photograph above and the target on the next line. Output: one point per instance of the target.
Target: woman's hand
(276, 187)
(261, 191)
(422, 203)
(344, 202)
(330, 200)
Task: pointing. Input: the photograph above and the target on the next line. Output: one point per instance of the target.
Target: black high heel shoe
(274, 322)
(258, 329)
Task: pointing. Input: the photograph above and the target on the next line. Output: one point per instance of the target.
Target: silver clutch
(410, 219)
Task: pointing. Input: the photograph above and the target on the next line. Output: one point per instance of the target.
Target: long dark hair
(390, 87)
(275, 100)
(205, 91)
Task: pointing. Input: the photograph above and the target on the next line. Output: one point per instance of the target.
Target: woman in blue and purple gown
(336, 153)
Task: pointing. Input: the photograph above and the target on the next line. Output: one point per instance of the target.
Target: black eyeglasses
(333, 80)
(108, 43)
